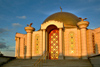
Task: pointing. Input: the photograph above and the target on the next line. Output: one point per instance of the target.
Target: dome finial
(61, 8)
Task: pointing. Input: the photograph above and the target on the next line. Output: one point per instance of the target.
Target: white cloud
(16, 25)
(21, 17)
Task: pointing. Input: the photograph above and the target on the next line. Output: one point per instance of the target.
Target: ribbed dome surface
(65, 17)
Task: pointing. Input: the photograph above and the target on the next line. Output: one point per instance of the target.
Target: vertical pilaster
(16, 48)
(22, 48)
(60, 44)
(44, 40)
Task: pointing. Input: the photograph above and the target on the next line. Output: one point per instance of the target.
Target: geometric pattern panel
(54, 44)
(94, 45)
(72, 43)
(37, 44)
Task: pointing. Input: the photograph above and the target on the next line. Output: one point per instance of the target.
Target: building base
(68, 57)
(60, 57)
(36, 57)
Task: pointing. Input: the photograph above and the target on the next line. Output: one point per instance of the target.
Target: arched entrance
(53, 42)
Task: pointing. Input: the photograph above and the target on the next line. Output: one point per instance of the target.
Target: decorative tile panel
(71, 44)
(36, 43)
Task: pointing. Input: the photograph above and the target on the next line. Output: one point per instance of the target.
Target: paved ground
(95, 61)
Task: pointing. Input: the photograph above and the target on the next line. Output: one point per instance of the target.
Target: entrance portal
(54, 44)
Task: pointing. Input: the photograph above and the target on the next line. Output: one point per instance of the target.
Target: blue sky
(16, 14)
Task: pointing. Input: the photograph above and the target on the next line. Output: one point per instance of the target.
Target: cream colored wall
(79, 43)
(89, 42)
(97, 39)
(25, 40)
(34, 44)
(96, 42)
(25, 46)
(67, 42)
(63, 43)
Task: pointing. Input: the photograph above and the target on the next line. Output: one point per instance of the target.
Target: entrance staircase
(67, 63)
(48, 63)
(44, 62)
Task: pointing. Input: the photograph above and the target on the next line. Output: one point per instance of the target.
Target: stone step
(68, 66)
(67, 63)
(49, 63)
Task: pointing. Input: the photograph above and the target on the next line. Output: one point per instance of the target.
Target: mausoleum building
(63, 35)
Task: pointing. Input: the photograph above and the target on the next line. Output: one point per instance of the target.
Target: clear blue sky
(16, 14)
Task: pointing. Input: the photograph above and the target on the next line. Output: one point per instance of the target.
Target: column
(16, 47)
(83, 42)
(44, 41)
(60, 44)
(83, 25)
(17, 51)
(29, 46)
(29, 42)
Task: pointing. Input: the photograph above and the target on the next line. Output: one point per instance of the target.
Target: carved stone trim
(52, 22)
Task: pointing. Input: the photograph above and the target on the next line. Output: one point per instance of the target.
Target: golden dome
(67, 18)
